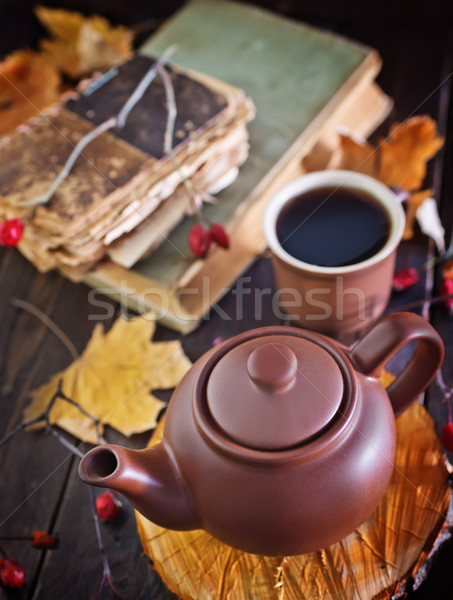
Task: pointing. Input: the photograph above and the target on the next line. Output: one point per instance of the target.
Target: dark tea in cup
(333, 227)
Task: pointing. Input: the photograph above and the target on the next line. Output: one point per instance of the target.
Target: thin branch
(143, 86)
(24, 424)
(118, 120)
(80, 408)
(18, 429)
(421, 303)
(77, 151)
(30, 308)
(44, 417)
(64, 442)
(106, 574)
(169, 132)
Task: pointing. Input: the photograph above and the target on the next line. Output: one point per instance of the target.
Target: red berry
(405, 278)
(446, 436)
(11, 232)
(43, 540)
(199, 240)
(12, 573)
(447, 288)
(218, 235)
(107, 506)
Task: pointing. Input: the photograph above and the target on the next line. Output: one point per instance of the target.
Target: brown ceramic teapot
(277, 442)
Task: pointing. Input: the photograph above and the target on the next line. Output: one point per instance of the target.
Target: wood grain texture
(373, 562)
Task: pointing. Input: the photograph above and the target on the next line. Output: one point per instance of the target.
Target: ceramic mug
(334, 299)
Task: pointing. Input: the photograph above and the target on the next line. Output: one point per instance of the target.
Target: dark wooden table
(39, 486)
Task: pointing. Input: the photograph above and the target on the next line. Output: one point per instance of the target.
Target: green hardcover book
(304, 82)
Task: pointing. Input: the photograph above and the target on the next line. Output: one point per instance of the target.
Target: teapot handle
(372, 352)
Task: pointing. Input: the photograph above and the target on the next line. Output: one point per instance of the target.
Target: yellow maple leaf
(81, 45)
(399, 159)
(112, 381)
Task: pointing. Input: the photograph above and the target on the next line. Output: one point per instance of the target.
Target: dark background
(19, 27)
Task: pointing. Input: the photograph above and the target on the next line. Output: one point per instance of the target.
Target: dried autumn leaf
(112, 380)
(398, 160)
(355, 154)
(81, 45)
(404, 153)
(27, 85)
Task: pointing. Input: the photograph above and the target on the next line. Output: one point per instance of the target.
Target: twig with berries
(12, 574)
(38, 539)
(407, 278)
(201, 236)
(106, 573)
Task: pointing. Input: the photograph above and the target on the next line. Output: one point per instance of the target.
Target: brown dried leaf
(27, 85)
(404, 153)
(355, 155)
(398, 160)
(112, 380)
(81, 45)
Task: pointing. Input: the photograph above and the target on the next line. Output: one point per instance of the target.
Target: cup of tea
(333, 236)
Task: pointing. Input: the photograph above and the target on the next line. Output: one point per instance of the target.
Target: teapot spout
(149, 479)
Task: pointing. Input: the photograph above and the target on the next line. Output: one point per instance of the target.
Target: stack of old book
(124, 193)
(124, 196)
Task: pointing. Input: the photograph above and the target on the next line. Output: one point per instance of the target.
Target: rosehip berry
(43, 540)
(11, 232)
(107, 507)
(405, 278)
(446, 436)
(199, 240)
(447, 288)
(218, 235)
(12, 573)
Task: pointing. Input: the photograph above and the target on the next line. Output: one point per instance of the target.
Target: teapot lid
(274, 392)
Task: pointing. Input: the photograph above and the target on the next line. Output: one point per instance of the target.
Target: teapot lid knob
(274, 392)
(272, 366)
